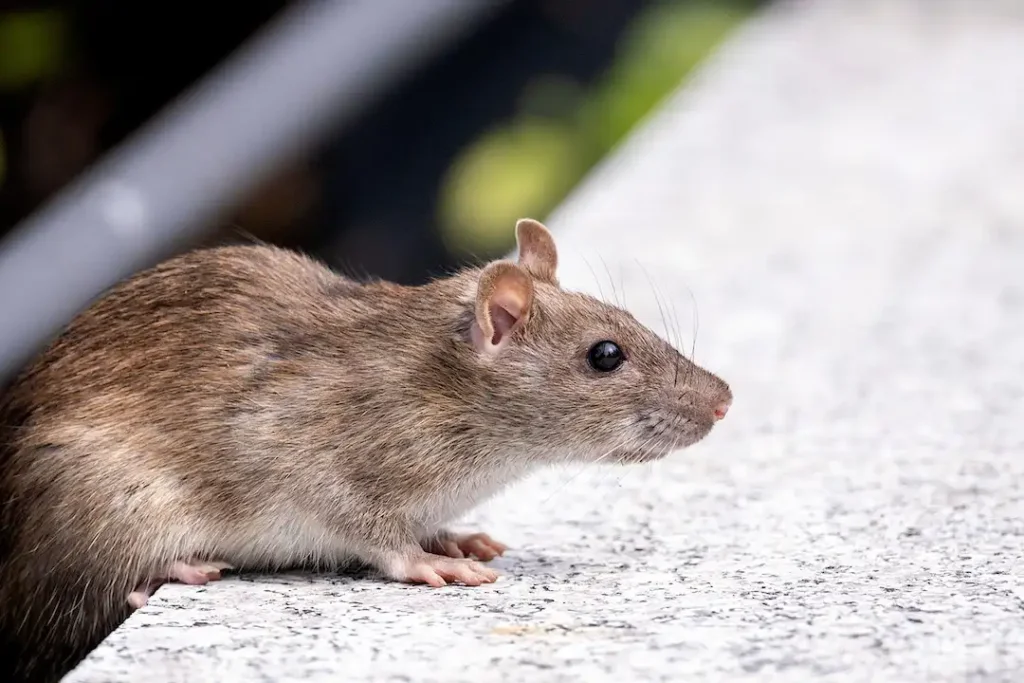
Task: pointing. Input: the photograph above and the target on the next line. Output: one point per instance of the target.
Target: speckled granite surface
(842, 190)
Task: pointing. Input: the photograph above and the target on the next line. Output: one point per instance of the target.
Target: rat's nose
(722, 408)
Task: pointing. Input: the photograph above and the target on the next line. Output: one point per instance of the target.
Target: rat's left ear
(504, 297)
(537, 252)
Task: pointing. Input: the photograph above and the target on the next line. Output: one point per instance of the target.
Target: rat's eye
(605, 356)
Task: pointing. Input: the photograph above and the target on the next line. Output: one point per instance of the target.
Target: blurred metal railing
(313, 68)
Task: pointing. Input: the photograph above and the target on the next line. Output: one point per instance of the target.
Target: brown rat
(246, 406)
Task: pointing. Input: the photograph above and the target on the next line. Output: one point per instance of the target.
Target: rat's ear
(504, 295)
(537, 251)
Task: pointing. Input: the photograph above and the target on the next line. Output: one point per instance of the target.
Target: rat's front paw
(481, 546)
(437, 571)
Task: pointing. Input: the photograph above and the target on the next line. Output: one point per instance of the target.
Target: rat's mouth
(648, 450)
(656, 438)
(641, 456)
(665, 434)
(658, 445)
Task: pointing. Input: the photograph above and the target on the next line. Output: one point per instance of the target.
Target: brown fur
(247, 404)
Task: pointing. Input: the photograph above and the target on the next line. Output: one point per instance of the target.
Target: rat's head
(576, 378)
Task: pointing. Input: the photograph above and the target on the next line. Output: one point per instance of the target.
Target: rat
(247, 407)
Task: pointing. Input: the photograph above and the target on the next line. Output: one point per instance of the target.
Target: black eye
(605, 356)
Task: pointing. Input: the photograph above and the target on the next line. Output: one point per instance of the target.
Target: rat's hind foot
(479, 546)
(192, 573)
(437, 571)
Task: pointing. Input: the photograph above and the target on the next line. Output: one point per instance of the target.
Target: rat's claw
(444, 543)
(437, 571)
(424, 573)
(481, 546)
(450, 547)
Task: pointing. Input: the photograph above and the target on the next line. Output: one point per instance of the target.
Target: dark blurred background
(501, 124)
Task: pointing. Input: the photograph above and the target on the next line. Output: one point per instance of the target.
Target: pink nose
(721, 409)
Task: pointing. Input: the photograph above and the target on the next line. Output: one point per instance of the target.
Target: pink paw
(192, 573)
(480, 546)
(437, 571)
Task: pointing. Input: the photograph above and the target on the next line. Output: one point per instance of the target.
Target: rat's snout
(722, 408)
(716, 395)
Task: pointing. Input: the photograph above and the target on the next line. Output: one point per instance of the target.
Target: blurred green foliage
(31, 46)
(523, 167)
(528, 165)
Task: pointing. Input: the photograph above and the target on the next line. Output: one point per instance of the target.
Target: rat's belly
(286, 541)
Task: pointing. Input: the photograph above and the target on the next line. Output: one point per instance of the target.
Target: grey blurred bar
(314, 67)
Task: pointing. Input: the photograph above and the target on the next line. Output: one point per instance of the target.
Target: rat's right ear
(504, 296)
(537, 252)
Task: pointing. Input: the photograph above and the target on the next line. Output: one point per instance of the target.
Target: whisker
(673, 319)
(657, 300)
(597, 280)
(696, 329)
(679, 337)
(668, 335)
(629, 470)
(622, 287)
(611, 282)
